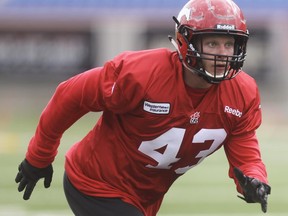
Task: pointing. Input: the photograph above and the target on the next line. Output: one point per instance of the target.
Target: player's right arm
(71, 100)
(111, 87)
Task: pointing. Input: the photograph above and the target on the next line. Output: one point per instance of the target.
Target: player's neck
(193, 80)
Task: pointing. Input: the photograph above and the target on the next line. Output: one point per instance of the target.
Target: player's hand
(29, 175)
(254, 191)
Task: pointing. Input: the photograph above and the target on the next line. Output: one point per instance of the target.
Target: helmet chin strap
(194, 71)
(217, 76)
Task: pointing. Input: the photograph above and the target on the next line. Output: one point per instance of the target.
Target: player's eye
(229, 44)
(212, 44)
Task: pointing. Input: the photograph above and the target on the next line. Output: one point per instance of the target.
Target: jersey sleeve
(112, 87)
(242, 149)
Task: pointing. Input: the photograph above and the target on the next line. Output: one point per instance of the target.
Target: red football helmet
(200, 17)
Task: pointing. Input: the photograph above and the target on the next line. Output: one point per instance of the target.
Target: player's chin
(218, 71)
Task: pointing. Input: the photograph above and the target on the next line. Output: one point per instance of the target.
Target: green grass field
(205, 190)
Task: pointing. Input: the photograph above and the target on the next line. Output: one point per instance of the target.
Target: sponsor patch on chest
(156, 108)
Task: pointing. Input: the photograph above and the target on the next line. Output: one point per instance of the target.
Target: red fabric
(149, 133)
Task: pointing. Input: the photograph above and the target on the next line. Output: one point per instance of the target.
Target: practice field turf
(205, 190)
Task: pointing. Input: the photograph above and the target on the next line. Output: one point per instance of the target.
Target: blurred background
(42, 43)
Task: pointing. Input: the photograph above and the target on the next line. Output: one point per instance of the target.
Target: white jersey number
(164, 149)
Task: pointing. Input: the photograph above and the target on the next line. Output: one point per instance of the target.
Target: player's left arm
(244, 156)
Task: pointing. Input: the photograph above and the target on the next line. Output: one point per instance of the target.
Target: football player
(164, 112)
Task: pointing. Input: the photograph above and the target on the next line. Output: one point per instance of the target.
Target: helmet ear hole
(179, 42)
(186, 33)
(192, 62)
(188, 60)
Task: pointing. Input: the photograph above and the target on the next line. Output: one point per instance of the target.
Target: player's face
(220, 46)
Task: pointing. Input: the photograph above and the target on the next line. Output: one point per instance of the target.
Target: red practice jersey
(150, 133)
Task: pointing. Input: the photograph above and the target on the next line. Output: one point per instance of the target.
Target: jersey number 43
(172, 140)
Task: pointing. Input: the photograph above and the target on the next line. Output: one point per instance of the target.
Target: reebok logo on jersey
(156, 108)
(232, 111)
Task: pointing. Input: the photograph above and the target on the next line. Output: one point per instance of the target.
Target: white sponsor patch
(157, 108)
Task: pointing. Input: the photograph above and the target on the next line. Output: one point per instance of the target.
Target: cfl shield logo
(194, 118)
